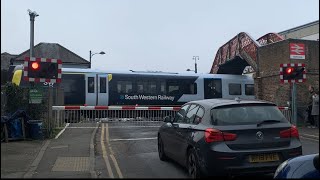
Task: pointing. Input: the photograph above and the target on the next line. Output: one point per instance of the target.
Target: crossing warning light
(35, 65)
(292, 73)
(42, 70)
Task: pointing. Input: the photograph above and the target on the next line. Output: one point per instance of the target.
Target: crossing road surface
(129, 151)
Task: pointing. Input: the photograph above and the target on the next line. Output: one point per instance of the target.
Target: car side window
(191, 114)
(198, 116)
(179, 118)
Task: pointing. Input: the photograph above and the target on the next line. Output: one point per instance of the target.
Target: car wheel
(161, 153)
(192, 165)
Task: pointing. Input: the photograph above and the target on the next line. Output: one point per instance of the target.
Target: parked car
(228, 137)
(306, 166)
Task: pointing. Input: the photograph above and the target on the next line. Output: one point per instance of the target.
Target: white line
(311, 139)
(310, 135)
(133, 139)
(62, 131)
(81, 127)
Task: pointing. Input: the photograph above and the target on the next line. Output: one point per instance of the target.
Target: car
(220, 137)
(306, 166)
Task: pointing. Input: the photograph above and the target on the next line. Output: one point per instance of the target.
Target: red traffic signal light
(35, 65)
(292, 72)
(289, 70)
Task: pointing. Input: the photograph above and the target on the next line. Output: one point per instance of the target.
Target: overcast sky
(156, 35)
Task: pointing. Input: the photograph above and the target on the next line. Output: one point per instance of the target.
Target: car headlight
(280, 167)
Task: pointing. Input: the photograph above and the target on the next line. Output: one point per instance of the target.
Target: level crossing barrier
(134, 115)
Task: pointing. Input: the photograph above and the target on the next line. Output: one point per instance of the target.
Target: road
(128, 151)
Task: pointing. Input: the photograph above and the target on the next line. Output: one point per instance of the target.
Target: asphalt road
(129, 151)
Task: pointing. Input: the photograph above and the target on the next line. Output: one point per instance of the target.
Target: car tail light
(292, 132)
(215, 135)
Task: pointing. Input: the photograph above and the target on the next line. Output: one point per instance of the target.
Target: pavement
(71, 155)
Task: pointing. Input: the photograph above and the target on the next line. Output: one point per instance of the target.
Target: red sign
(297, 51)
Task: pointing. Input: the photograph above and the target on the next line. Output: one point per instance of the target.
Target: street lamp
(195, 58)
(91, 54)
(32, 15)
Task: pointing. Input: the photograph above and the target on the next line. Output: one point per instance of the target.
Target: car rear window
(245, 115)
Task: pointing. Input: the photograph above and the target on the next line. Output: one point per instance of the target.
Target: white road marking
(311, 139)
(62, 131)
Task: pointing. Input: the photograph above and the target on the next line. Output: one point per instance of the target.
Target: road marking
(104, 154)
(115, 163)
(133, 126)
(62, 146)
(62, 130)
(311, 139)
(310, 135)
(133, 139)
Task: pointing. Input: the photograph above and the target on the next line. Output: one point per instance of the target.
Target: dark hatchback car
(306, 166)
(228, 137)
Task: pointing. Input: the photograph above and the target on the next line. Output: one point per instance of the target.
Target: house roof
(54, 51)
(5, 60)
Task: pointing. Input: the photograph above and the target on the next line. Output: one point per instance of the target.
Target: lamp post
(32, 15)
(195, 58)
(91, 54)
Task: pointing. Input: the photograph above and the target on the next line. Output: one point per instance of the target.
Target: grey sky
(158, 35)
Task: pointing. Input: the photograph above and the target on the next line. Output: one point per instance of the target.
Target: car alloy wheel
(162, 155)
(193, 168)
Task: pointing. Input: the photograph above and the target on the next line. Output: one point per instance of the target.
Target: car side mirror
(167, 119)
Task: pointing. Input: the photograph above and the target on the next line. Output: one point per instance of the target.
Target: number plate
(263, 158)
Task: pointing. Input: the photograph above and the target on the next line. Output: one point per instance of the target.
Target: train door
(212, 88)
(103, 93)
(91, 89)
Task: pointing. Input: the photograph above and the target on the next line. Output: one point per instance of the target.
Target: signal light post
(293, 73)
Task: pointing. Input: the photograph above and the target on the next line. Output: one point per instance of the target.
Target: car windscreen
(245, 114)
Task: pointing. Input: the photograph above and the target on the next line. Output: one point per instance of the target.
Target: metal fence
(119, 115)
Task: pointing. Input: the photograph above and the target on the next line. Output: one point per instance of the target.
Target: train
(144, 88)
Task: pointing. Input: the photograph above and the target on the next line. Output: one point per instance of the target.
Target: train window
(212, 88)
(141, 87)
(249, 89)
(191, 89)
(234, 89)
(173, 89)
(103, 85)
(163, 87)
(124, 86)
(90, 84)
(152, 87)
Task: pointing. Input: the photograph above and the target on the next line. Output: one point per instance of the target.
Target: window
(191, 114)
(245, 115)
(179, 118)
(173, 87)
(234, 89)
(249, 89)
(103, 85)
(124, 86)
(90, 84)
(190, 88)
(163, 87)
(199, 116)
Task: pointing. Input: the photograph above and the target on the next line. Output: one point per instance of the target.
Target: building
(309, 31)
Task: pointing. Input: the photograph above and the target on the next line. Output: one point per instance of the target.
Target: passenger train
(104, 88)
